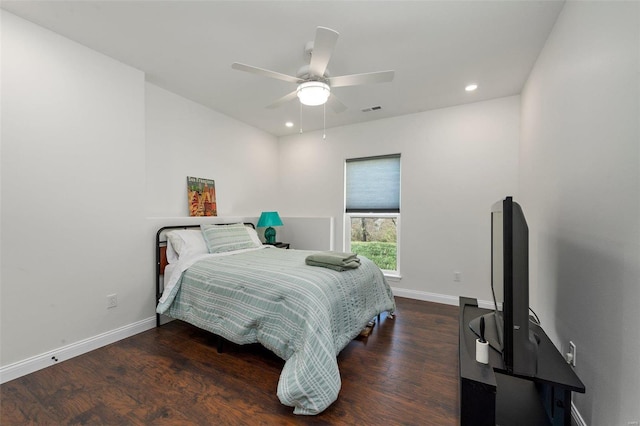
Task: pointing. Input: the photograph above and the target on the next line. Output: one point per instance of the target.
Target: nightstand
(279, 245)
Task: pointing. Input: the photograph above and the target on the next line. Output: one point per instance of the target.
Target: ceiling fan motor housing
(304, 74)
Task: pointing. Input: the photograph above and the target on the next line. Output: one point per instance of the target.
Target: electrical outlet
(457, 276)
(571, 355)
(112, 301)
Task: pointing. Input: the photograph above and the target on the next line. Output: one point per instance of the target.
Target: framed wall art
(201, 196)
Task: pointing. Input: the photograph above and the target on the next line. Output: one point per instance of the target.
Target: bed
(245, 292)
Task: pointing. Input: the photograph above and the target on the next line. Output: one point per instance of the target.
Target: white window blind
(373, 184)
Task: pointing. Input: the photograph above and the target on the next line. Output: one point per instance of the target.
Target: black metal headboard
(162, 243)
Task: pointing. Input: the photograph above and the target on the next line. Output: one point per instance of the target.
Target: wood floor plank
(405, 372)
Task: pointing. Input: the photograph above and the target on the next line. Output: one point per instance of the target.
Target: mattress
(304, 314)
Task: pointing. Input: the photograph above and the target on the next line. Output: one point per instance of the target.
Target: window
(372, 209)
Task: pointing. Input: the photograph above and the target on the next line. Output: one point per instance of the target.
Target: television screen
(497, 275)
(507, 327)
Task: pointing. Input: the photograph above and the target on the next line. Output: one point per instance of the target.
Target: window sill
(391, 276)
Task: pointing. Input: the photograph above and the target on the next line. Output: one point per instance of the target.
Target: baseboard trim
(38, 362)
(435, 297)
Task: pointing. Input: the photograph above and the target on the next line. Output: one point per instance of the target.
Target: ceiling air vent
(375, 108)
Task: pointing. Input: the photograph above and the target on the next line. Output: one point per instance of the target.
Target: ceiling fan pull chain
(324, 121)
(300, 118)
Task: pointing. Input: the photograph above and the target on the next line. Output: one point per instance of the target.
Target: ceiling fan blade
(283, 100)
(336, 104)
(264, 72)
(358, 79)
(323, 45)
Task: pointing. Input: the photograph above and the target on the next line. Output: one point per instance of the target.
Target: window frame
(348, 216)
(347, 236)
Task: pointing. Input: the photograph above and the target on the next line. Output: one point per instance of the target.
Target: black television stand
(489, 395)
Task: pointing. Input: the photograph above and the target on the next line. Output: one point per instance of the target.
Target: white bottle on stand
(482, 346)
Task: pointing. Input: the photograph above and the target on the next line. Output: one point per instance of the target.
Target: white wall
(73, 171)
(94, 161)
(306, 233)
(188, 139)
(580, 189)
(456, 163)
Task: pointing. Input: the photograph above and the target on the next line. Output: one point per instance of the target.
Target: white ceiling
(435, 48)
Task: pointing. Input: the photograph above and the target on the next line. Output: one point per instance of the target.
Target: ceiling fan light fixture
(313, 93)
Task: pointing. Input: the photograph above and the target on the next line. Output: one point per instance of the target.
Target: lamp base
(270, 235)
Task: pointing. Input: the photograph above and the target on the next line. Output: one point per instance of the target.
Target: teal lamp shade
(268, 220)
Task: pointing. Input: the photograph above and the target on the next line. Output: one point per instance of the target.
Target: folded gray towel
(337, 261)
(333, 257)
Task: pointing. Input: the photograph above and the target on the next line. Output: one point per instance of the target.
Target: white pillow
(185, 241)
(172, 256)
(254, 236)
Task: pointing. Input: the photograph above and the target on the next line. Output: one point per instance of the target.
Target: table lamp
(269, 219)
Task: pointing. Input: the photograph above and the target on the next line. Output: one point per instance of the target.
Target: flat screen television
(507, 327)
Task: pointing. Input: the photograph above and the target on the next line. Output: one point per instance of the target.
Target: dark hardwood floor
(404, 373)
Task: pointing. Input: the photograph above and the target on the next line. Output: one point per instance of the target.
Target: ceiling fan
(313, 80)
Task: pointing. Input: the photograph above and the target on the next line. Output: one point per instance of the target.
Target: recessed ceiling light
(471, 87)
(288, 124)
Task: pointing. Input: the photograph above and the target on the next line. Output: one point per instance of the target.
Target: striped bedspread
(304, 314)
